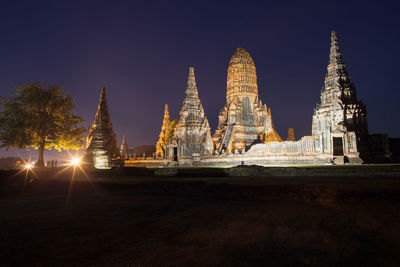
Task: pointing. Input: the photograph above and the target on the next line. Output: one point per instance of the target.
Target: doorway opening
(175, 154)
(337, 146)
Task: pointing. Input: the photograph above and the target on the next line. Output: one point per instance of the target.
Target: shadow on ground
(161, 221)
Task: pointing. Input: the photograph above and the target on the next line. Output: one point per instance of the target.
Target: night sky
(141, 51)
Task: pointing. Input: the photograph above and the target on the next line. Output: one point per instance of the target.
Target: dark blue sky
(141, 50)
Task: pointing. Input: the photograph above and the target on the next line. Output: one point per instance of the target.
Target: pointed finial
(166, 115)
(166, 111)
(240, 49)
(335, 55)
(191, 71)
(334, 39)
(191, 88)
(102, 109)
(103, 94)
(333, 35)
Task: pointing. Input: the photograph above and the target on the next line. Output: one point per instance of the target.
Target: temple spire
(102, 110)
(101, 143)
(335, 56)
(124, 147)
(340, 114)
(191, 89)
(336, 68)
(103, 95)
(337, 84)
(165, 135)
(191, 137)
(271, 134)
(166, 115)
(191, 103)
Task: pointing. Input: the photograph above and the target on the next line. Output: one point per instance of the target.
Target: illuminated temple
(101, 143)
(246, 133)
(244, 119)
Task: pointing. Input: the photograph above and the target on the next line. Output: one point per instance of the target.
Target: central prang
(243, 120)
(241, 77)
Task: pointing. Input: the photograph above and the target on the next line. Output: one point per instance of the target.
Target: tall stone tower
(241, 78)
(340, 121)
(192, 138)
(164, 134)
(124, 147)
(101, 143)
(243, 119)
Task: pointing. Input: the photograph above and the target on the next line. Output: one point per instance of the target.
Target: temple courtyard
(244, 216)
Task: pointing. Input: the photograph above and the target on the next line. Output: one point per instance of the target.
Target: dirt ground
(176, 221)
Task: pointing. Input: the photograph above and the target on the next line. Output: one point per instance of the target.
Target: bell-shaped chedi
(290, 135)
(101, 143)
(243, 119)
(167, 131)
(192, 137)
(340, 118)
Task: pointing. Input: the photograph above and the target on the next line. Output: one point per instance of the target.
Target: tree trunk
(40, 162)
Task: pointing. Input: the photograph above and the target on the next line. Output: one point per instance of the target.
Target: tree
(41, 117)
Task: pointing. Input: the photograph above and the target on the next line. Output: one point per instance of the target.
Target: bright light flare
(28, 166)
(75, 161)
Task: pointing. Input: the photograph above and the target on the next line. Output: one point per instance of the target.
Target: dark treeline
(9, 163)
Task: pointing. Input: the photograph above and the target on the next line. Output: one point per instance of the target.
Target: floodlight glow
(28, 166)
(75, 161)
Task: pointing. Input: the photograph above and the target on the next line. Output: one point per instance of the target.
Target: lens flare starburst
(28, 166)
(75, 161)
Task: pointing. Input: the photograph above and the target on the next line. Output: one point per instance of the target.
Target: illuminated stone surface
(290, 135)
(244, 118)
(167, 130)
(340, 118)
(271, 135)
(124, 147)
(192, 138)
(241, 78)
(246, 133)
(101, 143)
